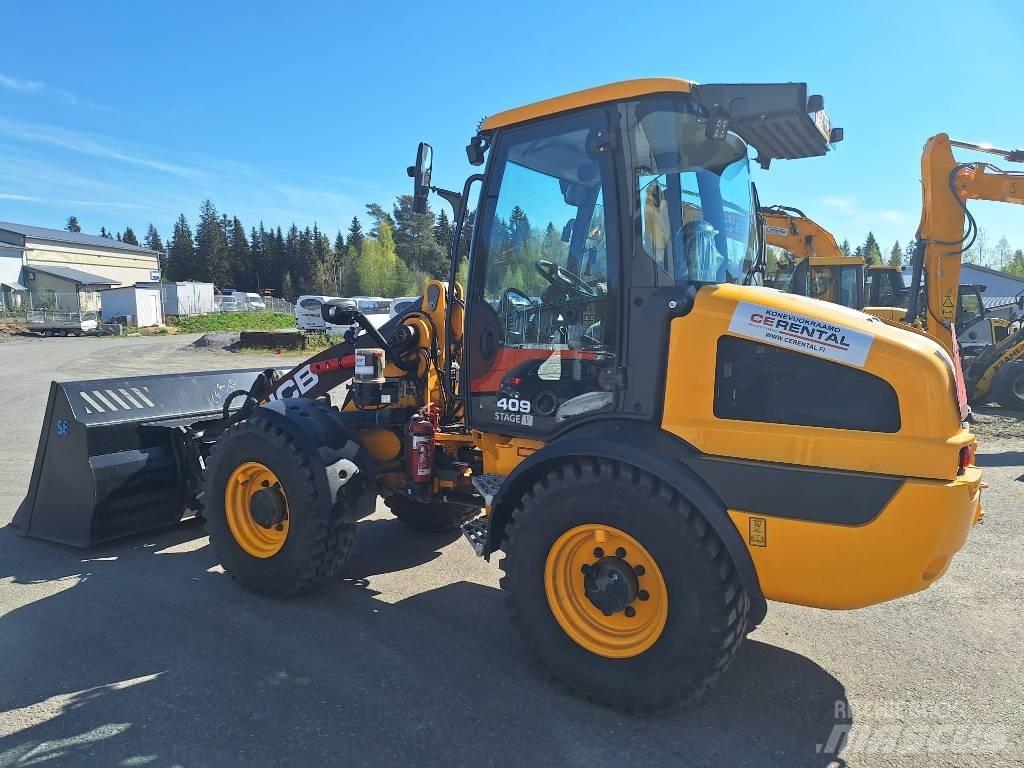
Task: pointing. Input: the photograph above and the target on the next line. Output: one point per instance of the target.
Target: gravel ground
(145, 653)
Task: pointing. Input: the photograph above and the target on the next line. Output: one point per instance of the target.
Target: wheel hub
(611, 585)
(268, 507)
(605, 590)
(256, 507)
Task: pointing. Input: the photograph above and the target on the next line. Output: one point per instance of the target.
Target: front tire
(665, 637)
(437, 517)
(268, 523)
(1008, 386)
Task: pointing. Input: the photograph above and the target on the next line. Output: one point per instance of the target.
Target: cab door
(541, 321)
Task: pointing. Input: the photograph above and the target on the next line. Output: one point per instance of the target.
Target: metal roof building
(116, 262)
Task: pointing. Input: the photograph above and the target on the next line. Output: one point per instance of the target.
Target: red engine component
(419, 451)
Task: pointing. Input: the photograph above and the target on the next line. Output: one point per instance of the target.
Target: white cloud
(6, 81)
(85, 144)
(107, 204)
(23, 198)
(844, 204)
(36, 86)
(896, 217)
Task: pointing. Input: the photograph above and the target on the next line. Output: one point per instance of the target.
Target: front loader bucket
(112, 456)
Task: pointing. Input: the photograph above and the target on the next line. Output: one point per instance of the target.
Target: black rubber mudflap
(110, 456)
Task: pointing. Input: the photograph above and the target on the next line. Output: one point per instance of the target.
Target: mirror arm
(454, 199)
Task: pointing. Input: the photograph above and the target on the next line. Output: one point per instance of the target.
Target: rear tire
(706, 615)
(437, 517)
(319, 534)
(1008, 386)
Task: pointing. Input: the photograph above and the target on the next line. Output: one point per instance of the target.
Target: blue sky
(129, 113)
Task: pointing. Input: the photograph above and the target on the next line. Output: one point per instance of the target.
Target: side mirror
(420, 174)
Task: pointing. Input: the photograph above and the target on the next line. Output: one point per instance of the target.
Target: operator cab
(593, 201)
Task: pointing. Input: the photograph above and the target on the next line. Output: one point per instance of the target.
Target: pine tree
(73, 225)
(845, 248)
(104, 233)
(181, 253)
(1016, 265)
(355, 234)
(129, 237)
(153, 241)
(466, 236)
(871, 252)
(378, 214)
(211, 247)
(443, 230)
(896, 255)
(908, 253)
(257, 256)
(119, 237)
(239, 257)
(415, 239)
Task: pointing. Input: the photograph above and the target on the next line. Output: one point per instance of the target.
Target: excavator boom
(947, 229)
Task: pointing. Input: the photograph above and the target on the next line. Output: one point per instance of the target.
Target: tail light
(966, 458)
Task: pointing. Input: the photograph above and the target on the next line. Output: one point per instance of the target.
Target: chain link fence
(23, 306)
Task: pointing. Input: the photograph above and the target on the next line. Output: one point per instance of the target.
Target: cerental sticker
(804, 334)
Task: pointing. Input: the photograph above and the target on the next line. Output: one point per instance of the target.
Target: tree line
(401, 249)
(393, 258)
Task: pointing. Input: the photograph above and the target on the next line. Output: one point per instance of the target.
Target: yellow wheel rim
(246, 481)
(570, 568)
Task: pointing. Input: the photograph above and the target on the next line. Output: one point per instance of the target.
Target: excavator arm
(791, 230)
(947, 228)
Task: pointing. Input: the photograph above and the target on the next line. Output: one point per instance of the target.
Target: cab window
(541, 329)
(971, 308)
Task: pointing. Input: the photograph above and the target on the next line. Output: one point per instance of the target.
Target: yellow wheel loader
(609, 403)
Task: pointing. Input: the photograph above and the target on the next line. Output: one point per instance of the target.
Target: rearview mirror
(420, 174)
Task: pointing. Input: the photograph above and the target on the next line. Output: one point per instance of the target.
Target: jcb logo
(299, 384)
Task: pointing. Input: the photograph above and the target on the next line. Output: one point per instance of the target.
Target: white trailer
(138, 304)
(188, 298)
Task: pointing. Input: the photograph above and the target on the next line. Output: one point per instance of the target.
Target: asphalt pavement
(144, 653)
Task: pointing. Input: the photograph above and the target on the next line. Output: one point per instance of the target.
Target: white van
(254, 301)
(307, 312)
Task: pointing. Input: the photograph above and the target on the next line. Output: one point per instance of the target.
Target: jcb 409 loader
(651, 483)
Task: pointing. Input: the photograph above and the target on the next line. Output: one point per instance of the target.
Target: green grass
(234, 321)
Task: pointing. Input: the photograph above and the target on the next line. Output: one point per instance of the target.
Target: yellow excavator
(819, 268)
(612, 409)
(946, 230)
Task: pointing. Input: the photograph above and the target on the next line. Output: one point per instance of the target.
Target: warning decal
(758, 532)
(804, 334)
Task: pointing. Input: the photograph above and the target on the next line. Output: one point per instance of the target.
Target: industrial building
(115, 262)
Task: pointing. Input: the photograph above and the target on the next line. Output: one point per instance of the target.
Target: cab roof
(625, 89)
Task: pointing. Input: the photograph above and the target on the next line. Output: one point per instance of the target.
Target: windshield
(692, 194)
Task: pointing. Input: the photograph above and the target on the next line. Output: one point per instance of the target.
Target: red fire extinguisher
(419, 451)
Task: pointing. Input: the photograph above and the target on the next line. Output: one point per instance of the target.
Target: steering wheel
(564, 279)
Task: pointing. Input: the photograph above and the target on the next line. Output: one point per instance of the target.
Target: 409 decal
(513, 404)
